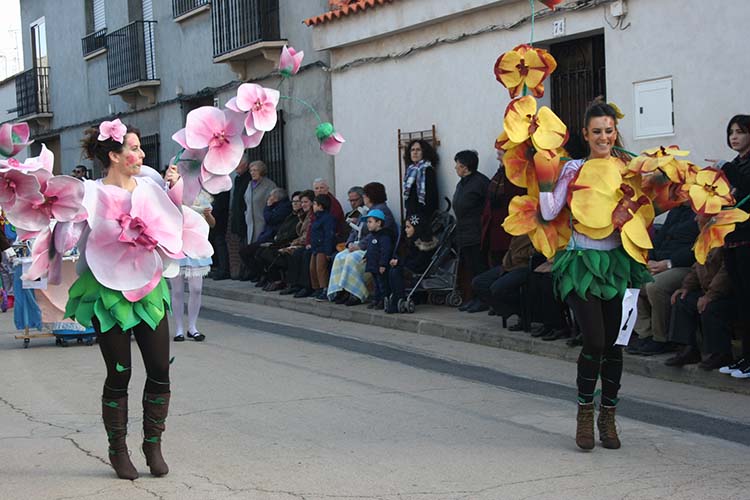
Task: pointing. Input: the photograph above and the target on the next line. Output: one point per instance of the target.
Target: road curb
(492, 335)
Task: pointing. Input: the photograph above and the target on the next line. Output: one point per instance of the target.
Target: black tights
(599, 321)
(115, 347)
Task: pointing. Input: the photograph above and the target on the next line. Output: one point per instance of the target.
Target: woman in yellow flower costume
(595, 269)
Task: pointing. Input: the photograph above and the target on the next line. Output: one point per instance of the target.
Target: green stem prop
(304, 103)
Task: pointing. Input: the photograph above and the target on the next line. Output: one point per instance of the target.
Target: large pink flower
(61, 200)
(221, 132)
(13, 138)
(132, 237)
(195, 177)
(290, 61)
(260, 103)
(195, 235)
(18, 185)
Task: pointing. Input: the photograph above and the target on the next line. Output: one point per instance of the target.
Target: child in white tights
(192, 270)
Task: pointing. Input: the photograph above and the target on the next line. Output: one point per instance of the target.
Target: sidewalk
(479, 328)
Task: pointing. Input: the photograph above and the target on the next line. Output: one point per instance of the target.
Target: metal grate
(180, 7)
(94, 41)
(130, 54)
(271, 152)
(239, 23)
(32, 91)
(150, 146)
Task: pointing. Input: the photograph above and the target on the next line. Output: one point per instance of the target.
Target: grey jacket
(255, 198)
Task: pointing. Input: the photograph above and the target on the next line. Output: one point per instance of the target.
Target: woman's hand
(381, 269)
(353, 247)
(172, 175)
(393, 262)
(209, 217)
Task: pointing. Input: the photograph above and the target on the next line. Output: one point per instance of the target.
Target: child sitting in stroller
(417, 249)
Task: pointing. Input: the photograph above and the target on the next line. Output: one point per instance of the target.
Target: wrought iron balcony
(182, 9)
(244, 30)
(94, 44)
(130, 60)
(32, 93)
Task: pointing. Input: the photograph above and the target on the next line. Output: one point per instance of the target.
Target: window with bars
(150, 146)
(271, 152)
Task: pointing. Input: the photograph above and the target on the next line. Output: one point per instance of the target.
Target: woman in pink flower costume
(128, 246)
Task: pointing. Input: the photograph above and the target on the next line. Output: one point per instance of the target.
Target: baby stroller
(440, 277)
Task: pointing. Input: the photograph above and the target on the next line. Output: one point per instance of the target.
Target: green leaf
(120, 368)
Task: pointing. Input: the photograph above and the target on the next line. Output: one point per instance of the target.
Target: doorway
(579, 78)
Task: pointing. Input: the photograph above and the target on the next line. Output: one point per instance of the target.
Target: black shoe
(303, 292)
(689, 355)
(197, 336)
(291, 290)
(479, 306)
(575, 341)
(341, 298)
(560, 333)
(353, 301)
(651, 347)
(466, 305)
(516, 327)
(179, 338)
(541, 333)
(634, 346)
(714, 361)
(261, 282)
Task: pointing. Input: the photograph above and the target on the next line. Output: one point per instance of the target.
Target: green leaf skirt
(602, 273)
(88, 298)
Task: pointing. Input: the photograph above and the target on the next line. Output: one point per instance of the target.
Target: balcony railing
(32, 92)
(182, 7)
(239, 23)
(130, 55)
(94, 42)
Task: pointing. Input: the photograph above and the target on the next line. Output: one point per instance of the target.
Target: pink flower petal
(201, 125)
(195, 235)
(180, 138)
(223, 160)
(68, 195)
(40, 252)
(332, 145)
(162, 218)
(232, 105)
(252, 140)
(105, 252)
(215, 184)
(138, 294)
(67, 234)
(248, 94)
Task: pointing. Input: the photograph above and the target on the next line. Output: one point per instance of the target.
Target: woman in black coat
(737, 243)
(420, 182)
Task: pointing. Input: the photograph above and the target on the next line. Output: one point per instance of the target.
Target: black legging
(115, 347)
(599, 321)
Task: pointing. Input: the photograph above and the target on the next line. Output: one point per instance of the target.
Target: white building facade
(674, 68)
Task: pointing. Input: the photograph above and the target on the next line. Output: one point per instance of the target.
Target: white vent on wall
(654, 108)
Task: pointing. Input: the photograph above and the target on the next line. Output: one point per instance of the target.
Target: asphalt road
(281, 405)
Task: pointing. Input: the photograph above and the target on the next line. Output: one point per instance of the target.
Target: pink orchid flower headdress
(114, 130)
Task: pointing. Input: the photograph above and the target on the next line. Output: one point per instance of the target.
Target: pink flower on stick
(221, 132)
(13, 138)
(16, 185)
(290, 61)
(260, 104)
(330, 140)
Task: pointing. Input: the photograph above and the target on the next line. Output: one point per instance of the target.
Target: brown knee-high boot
(607, 428)
(115, 417)
(155, 409)
(585, 427)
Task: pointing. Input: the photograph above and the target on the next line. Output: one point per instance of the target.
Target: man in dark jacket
(669, 263)
(237, 208)
(218, 235)
(468, 204)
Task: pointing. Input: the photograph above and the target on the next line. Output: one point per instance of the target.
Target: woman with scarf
(420, 183)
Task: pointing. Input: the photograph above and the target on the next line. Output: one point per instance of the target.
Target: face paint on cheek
(131, 159)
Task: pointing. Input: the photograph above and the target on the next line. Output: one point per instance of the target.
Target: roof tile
(352, 7)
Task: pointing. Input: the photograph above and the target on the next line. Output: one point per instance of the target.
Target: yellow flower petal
(518, 118)
(638, 254)
(596, 234)
(595, 193)
(550, 132)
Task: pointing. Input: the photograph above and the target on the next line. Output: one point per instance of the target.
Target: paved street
(282, 405)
